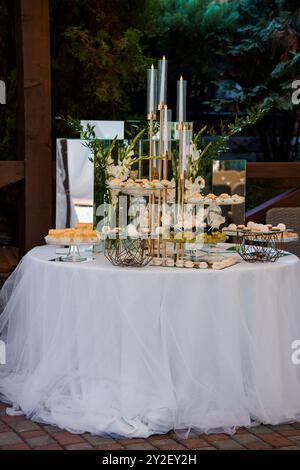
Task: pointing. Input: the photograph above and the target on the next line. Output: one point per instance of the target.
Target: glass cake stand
(74, 255)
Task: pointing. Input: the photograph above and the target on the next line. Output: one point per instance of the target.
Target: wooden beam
(290, 198)
(11, 172)
(34, 100)
(273, 170)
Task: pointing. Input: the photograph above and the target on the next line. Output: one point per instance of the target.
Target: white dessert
(203, 265)
(170, 262)
(179, 263)
(132, 231)
(237, 198)
(148, 184)
(217, 265)
(166, 183)
(231, 227)
(157, 184)
(188, 264)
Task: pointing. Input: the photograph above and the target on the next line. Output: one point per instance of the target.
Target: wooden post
(34, 105)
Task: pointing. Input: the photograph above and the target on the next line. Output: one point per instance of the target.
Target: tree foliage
(98, 53)
(235, 54)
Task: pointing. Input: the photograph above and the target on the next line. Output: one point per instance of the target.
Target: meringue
(170, 262)
(188, 264)
(179, 263)
(203, 265)
(282, 227)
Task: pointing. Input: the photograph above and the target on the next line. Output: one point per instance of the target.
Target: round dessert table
(139, 351)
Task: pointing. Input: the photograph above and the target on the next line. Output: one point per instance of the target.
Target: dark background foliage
(233, 53)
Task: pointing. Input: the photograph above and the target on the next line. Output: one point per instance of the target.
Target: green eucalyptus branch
(220, 143)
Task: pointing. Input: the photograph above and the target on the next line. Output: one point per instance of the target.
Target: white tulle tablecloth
(133, 352)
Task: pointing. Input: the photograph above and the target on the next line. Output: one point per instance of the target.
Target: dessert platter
(141, 187)
(223, 199)
(81, 235)
(144, 183)
(287, 235)
(216, 264)
(261, 242)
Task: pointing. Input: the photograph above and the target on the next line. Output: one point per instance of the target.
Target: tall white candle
(152, 91)
(180, 114)
(162, 81)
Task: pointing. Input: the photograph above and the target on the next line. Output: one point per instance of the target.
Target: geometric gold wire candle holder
(260, 247)
(133, 252)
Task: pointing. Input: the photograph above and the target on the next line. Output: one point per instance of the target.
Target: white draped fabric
(133, 352)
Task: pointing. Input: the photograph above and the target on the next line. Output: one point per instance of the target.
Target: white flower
(120, 172)
(194, 152)
(196, 186)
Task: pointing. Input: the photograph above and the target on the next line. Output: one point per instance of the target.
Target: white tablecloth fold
(133, 352)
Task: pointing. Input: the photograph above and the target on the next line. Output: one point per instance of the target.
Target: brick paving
(18, 433)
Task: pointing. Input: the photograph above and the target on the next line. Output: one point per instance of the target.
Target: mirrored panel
(74, 183)
(106, 130)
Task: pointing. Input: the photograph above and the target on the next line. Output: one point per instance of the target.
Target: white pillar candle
(181, 100)
(152, 91)
(162, 81)
(180, 114)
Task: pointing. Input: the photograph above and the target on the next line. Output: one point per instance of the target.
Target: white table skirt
(133, 352)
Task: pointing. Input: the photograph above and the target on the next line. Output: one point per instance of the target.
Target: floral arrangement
(115, 161)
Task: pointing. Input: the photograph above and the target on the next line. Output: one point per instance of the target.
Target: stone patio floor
(18, 433)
